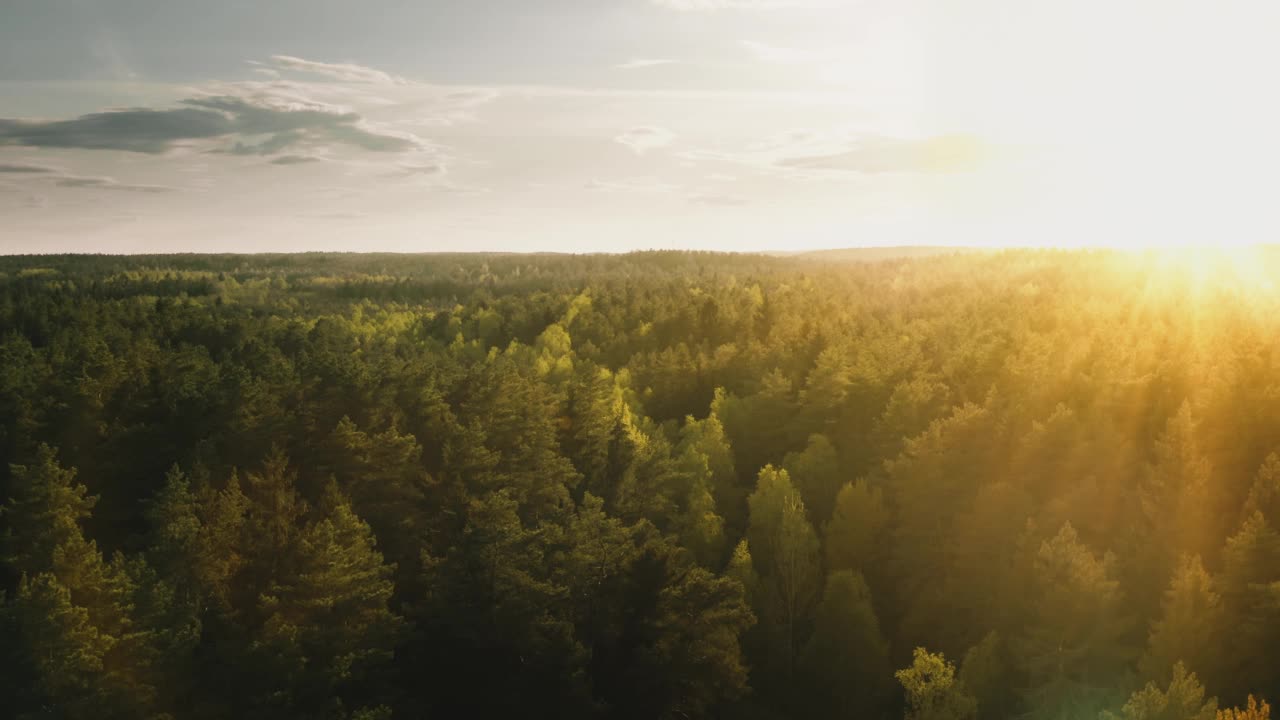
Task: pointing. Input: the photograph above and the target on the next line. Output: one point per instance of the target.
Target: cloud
(136, 130)
(279, 121)
(106, 183)
(24, 169)
(644, 139)
(61, 178)
(948, 153)
(423, 168)
(801, 153)
(717, 200)
(633, 185)
(640, 63)
(344, 72)
(295, 159)
(709, 5)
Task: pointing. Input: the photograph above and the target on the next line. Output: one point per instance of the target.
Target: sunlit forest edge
(941, 486)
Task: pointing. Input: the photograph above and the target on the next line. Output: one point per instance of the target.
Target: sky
(613, 125)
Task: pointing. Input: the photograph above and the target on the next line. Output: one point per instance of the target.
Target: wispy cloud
(295, 160)
(641, 63)
(708, 5)
(107, 183)
(24, 169)
(344, 72)
(430, 168)
(644, 139)
(632, 185)
(49, 175)
(810, 151)
(949, 153)
(717, 200)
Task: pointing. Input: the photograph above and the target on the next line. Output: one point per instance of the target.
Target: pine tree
(845, 662)
(87, 602)
(44, 510)
(64, 648)
(1072, 647)
(984, 673)
(327, 624)
(1251, 567)
(174, 519)
(699, 527)
(706, 439)
(1174, 499)
(1264, 494)
(854, 536)
(1254, 710)
(1189, 627)
(818, 476)
(383, 475)
(222, 546)
(1183, 700)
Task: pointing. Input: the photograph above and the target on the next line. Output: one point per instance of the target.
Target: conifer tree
(1189, 627)
(845, 662)
(1182, 700)
(854, 536)
(1073, 646)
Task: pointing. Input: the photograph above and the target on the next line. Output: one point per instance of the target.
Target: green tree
(1251, 567)
(854, 536)
(63, 648)
(785, 550)
(1254, 710)
(44, 511)
(73, 609)
(933, 691)
(1190, 624)
(328, 626)
(985, 673)
(845, 662)
(699, 527)
(1264, 494)
(1073, 645)
(1174, 497)
(818, 475)
(1183, 700)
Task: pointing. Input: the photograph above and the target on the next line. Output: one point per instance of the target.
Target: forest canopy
(1039, 484)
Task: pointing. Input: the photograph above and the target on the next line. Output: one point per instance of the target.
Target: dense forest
(1038, 484)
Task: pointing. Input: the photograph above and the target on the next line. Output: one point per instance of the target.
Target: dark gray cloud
(295, 159)
(424, 169)
(134, 130)
(270, 146)
(284, 122)
(24, 169)
(106, 183)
